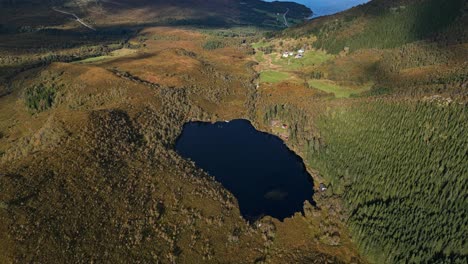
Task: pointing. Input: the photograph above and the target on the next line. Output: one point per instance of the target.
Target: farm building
(322, 187)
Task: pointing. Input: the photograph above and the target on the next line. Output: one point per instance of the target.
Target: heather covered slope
(105, 13)
(49, 31)
(88, 171)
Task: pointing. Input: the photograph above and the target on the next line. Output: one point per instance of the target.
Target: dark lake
(262, 173)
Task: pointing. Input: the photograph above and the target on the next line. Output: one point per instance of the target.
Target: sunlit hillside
(369, 104)
(387, 135)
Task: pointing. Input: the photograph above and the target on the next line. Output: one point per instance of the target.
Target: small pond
(263, 174)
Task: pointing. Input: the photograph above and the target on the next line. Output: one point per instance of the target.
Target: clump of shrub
(40, 97)
(213, 44)
(267, 49)
(315, 75)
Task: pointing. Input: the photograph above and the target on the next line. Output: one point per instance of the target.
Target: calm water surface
(262, 173)
(327, 7)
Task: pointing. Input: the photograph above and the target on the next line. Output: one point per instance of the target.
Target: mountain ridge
(123, 12)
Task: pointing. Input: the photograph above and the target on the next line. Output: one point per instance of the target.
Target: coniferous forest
(392, 24)
(400, 167)
(402, 170)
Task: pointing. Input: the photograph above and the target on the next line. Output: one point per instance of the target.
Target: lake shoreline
(259, 185)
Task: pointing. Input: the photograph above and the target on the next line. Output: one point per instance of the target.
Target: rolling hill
(388, 24)
(104, 13)
(376, 108)
(88, 170)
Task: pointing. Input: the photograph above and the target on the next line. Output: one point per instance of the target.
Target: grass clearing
(311, 58)
(95, 59)
(339, 91)
(273, 76)
(259, 56)
(260, 44)
(114, 54)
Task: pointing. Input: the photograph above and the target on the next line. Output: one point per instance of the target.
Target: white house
(322, 187)
(285, 54)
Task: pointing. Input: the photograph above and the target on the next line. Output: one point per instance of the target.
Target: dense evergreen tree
(402, 168)
(389, 25)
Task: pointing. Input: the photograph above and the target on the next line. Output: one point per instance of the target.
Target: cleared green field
(273, 76)
(114, 54)
(260, 56)
(339, 91)
(95, 59)
(310, 58)
(260, 44)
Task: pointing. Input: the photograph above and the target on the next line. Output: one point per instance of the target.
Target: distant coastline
(325, 7)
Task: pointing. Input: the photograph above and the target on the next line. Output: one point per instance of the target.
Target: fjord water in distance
(257, 168)
(327, 7)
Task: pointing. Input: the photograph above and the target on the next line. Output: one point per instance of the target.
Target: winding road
(75, 16)
(284, 17)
